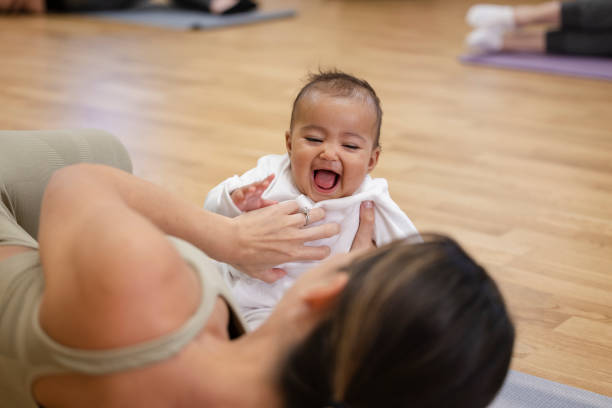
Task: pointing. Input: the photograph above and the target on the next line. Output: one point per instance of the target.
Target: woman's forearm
(253, 242)
(210, 232)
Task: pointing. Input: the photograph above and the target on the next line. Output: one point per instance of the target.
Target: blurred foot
(485, 40)
(491, 16)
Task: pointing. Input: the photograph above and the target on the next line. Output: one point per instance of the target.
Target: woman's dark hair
(419, 325)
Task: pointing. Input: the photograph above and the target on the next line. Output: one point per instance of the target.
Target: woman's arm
(253, 242)
(111, 276)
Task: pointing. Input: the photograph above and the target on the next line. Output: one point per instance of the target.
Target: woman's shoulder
(210, 275)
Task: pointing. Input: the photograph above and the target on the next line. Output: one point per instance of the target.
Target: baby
(332, 145)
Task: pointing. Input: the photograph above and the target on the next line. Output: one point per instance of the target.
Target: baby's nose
(330, 152)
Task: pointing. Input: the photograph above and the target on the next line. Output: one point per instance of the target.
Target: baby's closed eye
(352, 146)
(313, 139)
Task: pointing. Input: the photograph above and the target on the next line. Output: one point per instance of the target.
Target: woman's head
(418, 324)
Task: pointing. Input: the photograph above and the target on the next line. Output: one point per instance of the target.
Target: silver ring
(306, 212)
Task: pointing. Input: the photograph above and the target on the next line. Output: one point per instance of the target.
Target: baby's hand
(248, 198)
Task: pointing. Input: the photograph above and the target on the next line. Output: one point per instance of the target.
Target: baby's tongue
(325, 178)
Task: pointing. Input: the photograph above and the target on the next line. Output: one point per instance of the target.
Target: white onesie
(256, 298)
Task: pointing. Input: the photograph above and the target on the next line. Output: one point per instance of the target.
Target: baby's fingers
(238, 196)
(263, 184)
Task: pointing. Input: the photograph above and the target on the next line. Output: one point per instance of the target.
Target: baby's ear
(320, 297)
(373, 158)
(288, 141)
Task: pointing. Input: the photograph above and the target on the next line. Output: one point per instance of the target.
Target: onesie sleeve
(218, 199)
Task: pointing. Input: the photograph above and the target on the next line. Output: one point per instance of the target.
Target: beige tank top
(27, 352)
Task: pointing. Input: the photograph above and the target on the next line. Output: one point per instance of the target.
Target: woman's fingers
(365, 233)
(275, 235)
(312, 253)
(295, 218)
(287, 207)
(319, 232)
(315, 214)
(267, 203)
(271, 275)
(299, 219)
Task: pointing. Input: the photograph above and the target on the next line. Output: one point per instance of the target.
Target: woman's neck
(243, 371)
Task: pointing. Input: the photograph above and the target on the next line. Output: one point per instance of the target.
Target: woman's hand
(274, 235)
(364, 238)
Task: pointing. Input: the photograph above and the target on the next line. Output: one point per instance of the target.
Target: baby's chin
(317, 196)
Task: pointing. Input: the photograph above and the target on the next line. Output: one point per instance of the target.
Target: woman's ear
(320, 297)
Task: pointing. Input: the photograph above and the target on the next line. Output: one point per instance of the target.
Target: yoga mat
(177, 18)
(589, 67)
(526, 391)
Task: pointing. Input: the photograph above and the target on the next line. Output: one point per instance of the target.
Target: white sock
(491, 15)
(485, 39)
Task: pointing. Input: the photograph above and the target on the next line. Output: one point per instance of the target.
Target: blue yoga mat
(182, 19)
(588, 67)
(527, 391)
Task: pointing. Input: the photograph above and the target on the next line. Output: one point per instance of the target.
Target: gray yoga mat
(182, 19)
(589, 67)
(526, 391)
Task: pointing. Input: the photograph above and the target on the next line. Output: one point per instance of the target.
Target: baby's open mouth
(325, 180)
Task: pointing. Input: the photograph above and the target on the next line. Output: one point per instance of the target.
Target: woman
(126, 316)
(580, 27)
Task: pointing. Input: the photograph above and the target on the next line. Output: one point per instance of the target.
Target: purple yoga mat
(590, 67)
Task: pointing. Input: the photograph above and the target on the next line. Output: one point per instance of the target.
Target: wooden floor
(517, 166)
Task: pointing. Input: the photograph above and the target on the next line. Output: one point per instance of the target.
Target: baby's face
(331, 146)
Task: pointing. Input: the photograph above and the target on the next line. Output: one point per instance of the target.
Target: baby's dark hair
(338, 83)
(419, 324)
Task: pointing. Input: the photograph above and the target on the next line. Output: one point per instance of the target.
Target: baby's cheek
(354, 177)
(349, 183)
